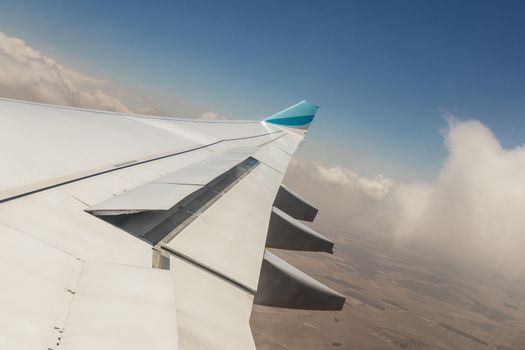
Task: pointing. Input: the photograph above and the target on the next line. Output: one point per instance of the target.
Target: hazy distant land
(396, 299)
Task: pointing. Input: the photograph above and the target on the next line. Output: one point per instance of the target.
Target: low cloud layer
(471, 214)
(212, 116)
(345, 199)
(376, 187)
(27, 74)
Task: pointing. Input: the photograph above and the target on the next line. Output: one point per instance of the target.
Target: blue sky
(382, 71)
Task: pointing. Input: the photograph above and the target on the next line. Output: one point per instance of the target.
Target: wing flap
(166, 191)
(229, 236)
(148, 197)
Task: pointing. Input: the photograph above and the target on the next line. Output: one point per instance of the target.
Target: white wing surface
(131, 232)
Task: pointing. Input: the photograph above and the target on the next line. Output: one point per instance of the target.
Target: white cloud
(212, 116)
(376, 187)
(473, 213)
(27, 74)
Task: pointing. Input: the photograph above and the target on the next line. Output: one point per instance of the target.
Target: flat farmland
(396, 299)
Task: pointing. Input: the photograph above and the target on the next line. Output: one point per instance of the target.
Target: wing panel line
(86, 175)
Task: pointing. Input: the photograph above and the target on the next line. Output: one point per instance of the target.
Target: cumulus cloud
(212, 116)
(27, 74)
(471, 214)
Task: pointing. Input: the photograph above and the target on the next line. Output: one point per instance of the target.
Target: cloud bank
(473, 213)
(27, 74)
(212, 116)
(345, 199)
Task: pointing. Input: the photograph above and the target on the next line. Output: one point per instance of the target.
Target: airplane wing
(138, 232)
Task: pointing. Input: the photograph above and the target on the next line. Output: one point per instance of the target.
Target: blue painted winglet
(298, 116)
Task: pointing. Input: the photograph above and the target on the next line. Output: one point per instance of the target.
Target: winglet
(298, 116)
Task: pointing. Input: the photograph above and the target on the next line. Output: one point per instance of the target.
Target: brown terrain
(396, 299)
